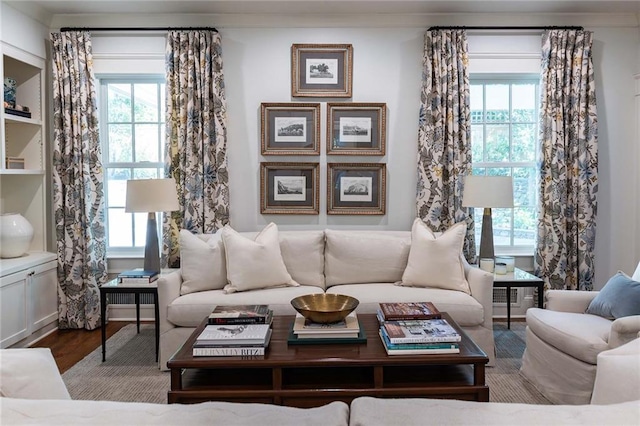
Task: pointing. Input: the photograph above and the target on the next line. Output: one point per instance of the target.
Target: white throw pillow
(436, 261)
(30, 373)
(254, 264)
(202, 262)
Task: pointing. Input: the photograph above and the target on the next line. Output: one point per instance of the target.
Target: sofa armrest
(481, 285)
(168, 290)
(576, 301)
(30, 373)
(624, 330)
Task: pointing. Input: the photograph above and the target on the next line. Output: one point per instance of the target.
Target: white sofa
(362, 264)
(33, 393)
(563, 344)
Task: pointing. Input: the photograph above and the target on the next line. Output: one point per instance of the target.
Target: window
(504, 134)
(132, 131)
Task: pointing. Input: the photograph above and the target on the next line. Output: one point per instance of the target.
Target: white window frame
(103, 81)
(511, 78)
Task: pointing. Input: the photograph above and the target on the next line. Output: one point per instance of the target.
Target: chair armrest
(624, 330)
(481, 285)
(168, 290)
(30, 373)
(576, 301)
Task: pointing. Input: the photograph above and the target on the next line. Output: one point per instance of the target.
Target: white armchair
(563, 344)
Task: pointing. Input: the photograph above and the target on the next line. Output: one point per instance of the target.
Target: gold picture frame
(290, 128)
(356, 188)
(356, 128)
(321, 70)
(289, 188)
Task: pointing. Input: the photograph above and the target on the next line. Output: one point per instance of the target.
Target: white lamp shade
(487, 191)
(151, 195)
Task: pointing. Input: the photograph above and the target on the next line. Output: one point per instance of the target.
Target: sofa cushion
(463, 308)
(253, 264)
(579, 335)
(189, 310)
(30, 373)
(202, 262)
(303, 255)
(620, 297)
(436, 261)
(353, 257)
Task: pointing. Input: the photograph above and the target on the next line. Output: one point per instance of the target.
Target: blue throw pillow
(620, 297)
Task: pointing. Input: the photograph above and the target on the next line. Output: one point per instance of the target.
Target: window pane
(140, 220)
(119, 102)
(525, 223)
(497, 143)
(501, 226)
(525, 189)
(117, 186)
(119, 228)
(147, 142)
(497, 102)
(150, 173)
(120, 149)
(476, 102)
(477, 142)
(524, 142)
(146, 102)
(524, 102)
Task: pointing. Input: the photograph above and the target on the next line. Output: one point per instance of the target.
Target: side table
(518, 278)
(137, 289)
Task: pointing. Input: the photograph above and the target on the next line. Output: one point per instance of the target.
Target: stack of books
(416, 328)
(137, 276)
(235, 330)
(348, 328)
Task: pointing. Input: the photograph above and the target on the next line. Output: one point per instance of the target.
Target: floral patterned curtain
(569, 162)
(444, 134)
(196, 146)
(78, 198)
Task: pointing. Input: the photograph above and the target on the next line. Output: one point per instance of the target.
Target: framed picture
(321, 70)
(290, 129)
(356, 129)
(356, 188)
(289, 188)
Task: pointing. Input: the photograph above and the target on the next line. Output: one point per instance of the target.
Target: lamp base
(486, 238)
(151, 249)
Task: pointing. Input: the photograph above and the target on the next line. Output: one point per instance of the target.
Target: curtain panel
(444, 134)
(77, 182)
(196, 142)
(569, 162)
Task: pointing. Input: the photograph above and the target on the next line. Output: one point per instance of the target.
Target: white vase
(16, 234)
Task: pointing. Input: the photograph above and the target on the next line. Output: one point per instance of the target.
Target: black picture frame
(356, 188)
(356, 129)
(321, 70)
(289, 188)
(290, 128)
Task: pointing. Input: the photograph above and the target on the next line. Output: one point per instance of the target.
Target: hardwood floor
(70, 346)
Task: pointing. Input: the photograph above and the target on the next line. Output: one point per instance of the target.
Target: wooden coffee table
(314, 375)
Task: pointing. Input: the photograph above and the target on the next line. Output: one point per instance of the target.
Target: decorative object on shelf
(289, 188)
(356, 188)
(486, 264)
(290, 129)
(16, 234)
(15, 163)
(487, 192)
(151, 196)
(10, 86)
(321, 70)
(19, 110)
(356, 129)
(324, 308)
(510, 261)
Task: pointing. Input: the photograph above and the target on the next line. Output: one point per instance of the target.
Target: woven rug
(130, 372)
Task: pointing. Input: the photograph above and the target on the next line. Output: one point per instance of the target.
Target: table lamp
(151, 196)
(487, 192)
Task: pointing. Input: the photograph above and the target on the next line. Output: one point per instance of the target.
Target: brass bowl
(325, 308)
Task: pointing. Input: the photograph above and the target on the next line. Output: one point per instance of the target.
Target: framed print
(289, 188)
(321, 70)
(356, 129)
(290, 129)
(356, 188)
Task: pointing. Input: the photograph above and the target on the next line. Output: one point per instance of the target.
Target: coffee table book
(417, 348)
(137, 276)
(421, 331)
(204, 349)
(409, 311)
(305, 329)
(234, 335)
(241, 314)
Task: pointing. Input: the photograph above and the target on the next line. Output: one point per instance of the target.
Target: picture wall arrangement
(293, 129)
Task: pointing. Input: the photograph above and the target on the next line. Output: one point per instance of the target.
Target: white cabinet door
(13, 301)
(43, 289)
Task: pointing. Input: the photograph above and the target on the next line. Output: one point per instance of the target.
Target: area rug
(130, 372)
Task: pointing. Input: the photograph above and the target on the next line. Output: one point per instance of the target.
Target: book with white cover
(240, 334)
(303, 328)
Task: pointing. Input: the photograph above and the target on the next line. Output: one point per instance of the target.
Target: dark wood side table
(137, 289)
(518, 278)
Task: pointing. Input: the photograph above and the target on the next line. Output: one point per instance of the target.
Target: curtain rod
(506, 28)
(66, 29)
